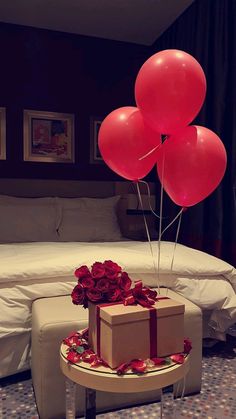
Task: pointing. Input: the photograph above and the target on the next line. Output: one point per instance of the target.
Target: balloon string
(176, 239)
(149, 198)
(150, 152)
(146, 226)
(153, 212)
(159, 243)
(179, 214)
(160, 227)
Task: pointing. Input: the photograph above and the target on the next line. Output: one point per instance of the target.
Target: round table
(105, 379)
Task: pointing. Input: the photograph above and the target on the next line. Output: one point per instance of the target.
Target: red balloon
(124, 140)
(170, 89)
(191, 164)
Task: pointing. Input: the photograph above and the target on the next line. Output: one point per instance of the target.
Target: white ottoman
(53, 319)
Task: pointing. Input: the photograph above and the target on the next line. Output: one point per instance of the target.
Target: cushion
(28, 219)
(89, 219)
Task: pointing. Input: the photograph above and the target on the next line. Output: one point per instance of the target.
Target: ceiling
(135, 21)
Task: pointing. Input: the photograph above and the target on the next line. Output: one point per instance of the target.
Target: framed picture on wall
(2, 133)
(95, 155)
(48, 137)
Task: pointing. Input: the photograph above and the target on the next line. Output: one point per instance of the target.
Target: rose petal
(73, 357)
(178, 358)
(187, 345)
(123, 368)
(139, 366)
(158, 361)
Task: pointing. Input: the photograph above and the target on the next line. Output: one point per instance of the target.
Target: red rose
(93, 294)
(111, 269)
(125, 281)
(113, 283)
(78, 295)
(114, 295)
(82, 271)
(87, 282)
(187, 346)
(98, 270)
(103, 284)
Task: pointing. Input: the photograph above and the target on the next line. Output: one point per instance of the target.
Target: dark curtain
(207, 31)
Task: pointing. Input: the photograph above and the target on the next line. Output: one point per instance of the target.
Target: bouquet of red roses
(106, 282)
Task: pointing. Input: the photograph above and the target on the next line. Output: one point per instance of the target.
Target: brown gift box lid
(119, 313)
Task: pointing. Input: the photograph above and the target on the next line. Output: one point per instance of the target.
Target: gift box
(119, 333)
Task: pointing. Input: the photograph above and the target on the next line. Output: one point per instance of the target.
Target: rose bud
(125, 281)
(98, 270)
(87, 282)
(82, 271)
(114, 295)
(103, 284)
(112, 269)
(93, 294)
(78, 295)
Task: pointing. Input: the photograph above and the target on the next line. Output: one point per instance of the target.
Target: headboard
(68, 188)
(54, 187)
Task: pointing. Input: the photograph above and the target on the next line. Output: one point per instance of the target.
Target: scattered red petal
(72, 340)
(88, 356)
(137, 365)
(178, 358)
(187, 345)
(98, 361)
(123, 368)
(73, 357)
(158, 361)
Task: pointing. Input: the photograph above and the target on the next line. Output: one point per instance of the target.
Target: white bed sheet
(33, 270)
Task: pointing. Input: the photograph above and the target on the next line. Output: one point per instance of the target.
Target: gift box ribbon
(152, 325)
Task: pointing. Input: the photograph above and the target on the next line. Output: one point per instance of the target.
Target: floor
(217, 399)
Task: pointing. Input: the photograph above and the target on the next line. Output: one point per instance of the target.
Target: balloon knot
(164, 137)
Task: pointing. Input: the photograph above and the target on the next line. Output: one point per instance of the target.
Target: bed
(63, 225)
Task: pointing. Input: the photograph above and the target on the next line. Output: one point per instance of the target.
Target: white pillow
(28, 219)
(89, 219)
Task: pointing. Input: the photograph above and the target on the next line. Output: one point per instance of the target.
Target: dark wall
(58, 72)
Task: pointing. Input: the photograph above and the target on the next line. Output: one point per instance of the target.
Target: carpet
(217, 399)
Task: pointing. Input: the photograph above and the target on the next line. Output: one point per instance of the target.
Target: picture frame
(48, 137)
(95, 155)
(2, 133)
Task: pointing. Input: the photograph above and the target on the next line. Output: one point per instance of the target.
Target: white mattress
(33, 270)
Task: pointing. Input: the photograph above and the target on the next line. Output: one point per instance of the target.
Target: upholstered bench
(53, 319)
